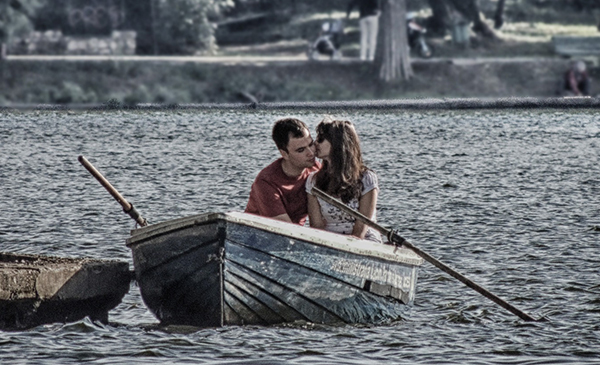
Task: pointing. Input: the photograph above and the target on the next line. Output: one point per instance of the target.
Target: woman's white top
(339, 221)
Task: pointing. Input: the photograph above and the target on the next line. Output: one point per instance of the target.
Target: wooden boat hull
(239, 269)
(37, 289)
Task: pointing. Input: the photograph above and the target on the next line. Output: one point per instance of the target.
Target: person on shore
(278, 191)
(344, 176)
(369, 26)
(576, 81)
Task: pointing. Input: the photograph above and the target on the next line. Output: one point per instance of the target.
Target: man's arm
(265, 200)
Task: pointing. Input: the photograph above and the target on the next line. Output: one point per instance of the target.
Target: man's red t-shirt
(274, 193)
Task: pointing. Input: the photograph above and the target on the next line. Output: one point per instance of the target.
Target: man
(278, 191)
(369, 26)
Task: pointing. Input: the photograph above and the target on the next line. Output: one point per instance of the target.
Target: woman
(344, 176)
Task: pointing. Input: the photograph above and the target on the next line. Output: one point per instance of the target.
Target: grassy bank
(132, 82)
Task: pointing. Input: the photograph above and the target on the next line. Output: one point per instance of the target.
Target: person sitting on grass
(576, 81)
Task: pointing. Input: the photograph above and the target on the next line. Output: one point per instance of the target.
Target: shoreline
(268, 81)
(371, 105)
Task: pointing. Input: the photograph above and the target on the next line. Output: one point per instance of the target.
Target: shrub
(71, 92)
(182, 26)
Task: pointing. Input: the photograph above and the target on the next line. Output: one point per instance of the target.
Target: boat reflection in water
(222, 269)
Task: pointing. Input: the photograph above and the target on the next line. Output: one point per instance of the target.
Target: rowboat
(220, 269)
(38, 289)
(223, 269)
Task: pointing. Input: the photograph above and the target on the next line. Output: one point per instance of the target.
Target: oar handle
(127, 207)
(397, 239)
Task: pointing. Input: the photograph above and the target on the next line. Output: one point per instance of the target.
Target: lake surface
(510, 199)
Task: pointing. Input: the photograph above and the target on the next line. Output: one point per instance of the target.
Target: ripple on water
(510, 199)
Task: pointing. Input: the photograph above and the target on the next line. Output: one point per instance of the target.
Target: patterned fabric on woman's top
(341, 222)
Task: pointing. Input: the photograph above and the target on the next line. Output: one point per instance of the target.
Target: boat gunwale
(315, 236)
(14, 260)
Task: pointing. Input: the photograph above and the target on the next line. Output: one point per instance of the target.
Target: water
(510, 199)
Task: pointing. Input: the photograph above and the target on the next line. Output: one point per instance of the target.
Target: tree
(395, 54)
(182, 26)
(15, 20)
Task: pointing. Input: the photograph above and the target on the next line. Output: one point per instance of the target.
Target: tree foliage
(163, 26)
(183, 26)
(15, 17)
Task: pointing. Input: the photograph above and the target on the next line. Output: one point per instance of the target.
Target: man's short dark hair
(284, 127)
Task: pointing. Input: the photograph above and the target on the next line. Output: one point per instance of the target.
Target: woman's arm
(315, 217)
(366, 206)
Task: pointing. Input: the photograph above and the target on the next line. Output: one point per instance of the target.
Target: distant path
(381, 105)
(175, 59)
(271, 60)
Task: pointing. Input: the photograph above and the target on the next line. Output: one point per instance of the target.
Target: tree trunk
(499, 15)
(395, 55)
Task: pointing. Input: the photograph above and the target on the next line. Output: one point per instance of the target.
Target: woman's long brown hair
(342, 177)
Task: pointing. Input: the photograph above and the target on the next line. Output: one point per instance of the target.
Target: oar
(127, 207)
(398, 240)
